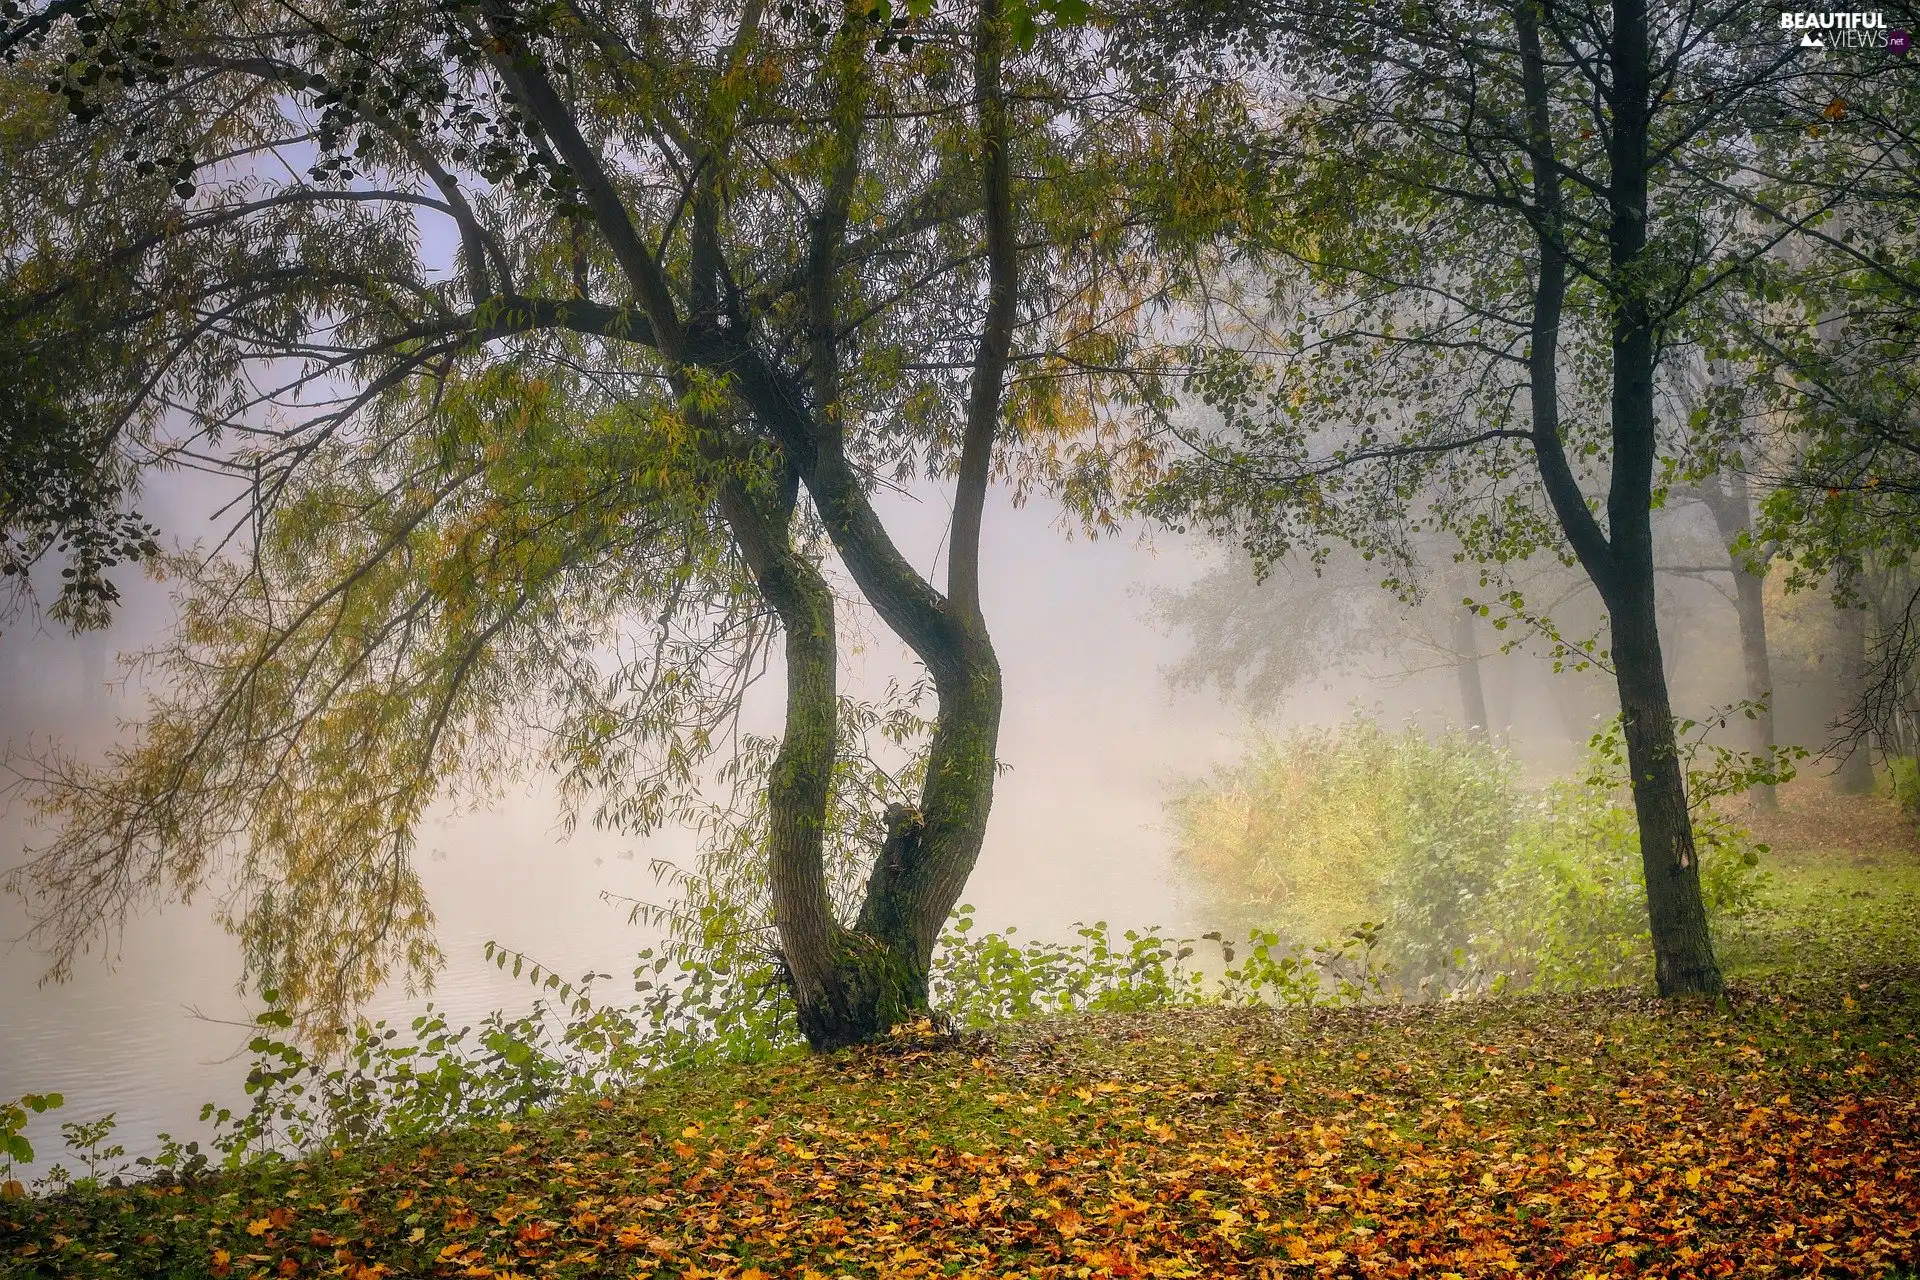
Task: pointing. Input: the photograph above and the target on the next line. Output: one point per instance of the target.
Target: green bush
(1905, 774)
(1316, 830)
(1477, 883)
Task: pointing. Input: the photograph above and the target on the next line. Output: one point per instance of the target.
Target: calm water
(1091, 735)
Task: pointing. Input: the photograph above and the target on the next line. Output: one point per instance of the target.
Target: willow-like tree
(1491, 227)
(712, 273)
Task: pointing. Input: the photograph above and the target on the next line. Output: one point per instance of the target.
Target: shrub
(1316, 830)
(1477, 884)
(1904, 772)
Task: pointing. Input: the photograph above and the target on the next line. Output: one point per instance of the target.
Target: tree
(1493, 227)
(716, 273)
(1726, 497)
(74, 328)
(1827, 341)
(1257, 642)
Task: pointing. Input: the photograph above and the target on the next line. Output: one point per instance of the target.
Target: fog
(1092, 733)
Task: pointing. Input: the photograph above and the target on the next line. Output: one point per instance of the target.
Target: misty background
(1111, 703)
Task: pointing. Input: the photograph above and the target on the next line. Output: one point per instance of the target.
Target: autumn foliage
(1569, 1136)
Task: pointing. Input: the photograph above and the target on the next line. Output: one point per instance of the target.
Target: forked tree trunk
(1733, 518)
(850, 984)
(1619, 558)
(862, 981)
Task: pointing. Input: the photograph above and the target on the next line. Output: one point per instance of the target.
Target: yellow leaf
(258, 1227)
(1693, 1178)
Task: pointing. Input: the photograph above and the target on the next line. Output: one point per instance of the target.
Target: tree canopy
(560, 352)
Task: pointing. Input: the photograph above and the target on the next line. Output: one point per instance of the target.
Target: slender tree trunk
(1466, 669)
(919, 876)
(1684, 963)
(1683, 952)
(802, 775)
(1619, 558)
(1854, 776)
(1733, 517)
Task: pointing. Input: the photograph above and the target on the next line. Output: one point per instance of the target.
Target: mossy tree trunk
(852, 984)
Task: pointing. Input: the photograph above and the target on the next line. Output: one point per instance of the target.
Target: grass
(1844, 886)
(1583, 1135)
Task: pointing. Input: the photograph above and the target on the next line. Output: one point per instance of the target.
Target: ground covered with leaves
(1599, 1134)
(1581, 1135)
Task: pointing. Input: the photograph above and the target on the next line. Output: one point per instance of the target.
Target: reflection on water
(151, 1038)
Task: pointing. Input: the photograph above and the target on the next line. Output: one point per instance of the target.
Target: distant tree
(1258, 641)
(1726, 497)
(1495, 226)
(1827, 335)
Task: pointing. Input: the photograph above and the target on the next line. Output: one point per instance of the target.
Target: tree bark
(1854, 776)
(1733, 517)
(1466, 669)
(802, 775)
(850, 985)
(1619, 558)
(919, 876)
(930, 851)
(1684, 963)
